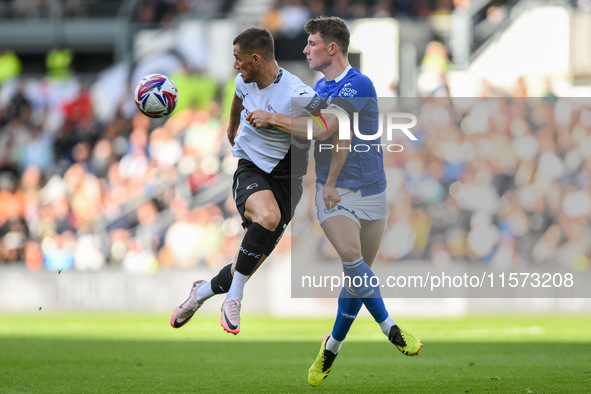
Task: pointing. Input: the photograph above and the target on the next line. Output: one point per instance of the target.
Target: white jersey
(268, 147)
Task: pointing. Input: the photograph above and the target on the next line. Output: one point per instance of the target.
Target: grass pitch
(141, 353)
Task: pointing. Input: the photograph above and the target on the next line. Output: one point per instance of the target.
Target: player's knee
(349, 252)
(269, 219)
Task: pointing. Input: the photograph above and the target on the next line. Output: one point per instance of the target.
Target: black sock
(253, 247)
(221, 283)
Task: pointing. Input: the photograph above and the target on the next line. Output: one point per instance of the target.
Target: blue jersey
(364, 169)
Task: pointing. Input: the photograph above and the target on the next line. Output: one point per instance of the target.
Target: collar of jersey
(340, 77)
(278, 77)
(275, 82)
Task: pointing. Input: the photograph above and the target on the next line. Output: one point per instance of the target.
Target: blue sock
(349, 306)
(365, 284)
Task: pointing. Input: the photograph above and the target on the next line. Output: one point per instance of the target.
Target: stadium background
(104, 209)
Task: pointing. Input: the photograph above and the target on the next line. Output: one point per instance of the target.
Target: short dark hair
(330, 29)
(256, 40)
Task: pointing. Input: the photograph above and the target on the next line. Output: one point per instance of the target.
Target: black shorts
(249, 179)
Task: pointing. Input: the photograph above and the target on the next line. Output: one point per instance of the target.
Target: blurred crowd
(502, 179)
(161, 12)
(497, 179)
(150, 13)
(288, 16)
(42, 9)
(76, 192)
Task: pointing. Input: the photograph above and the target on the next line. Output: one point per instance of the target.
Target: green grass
(114, 353)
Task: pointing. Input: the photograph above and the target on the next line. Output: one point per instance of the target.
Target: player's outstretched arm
(234, 122)
(297, 126)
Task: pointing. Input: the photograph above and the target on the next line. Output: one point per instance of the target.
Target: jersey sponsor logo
(347, 90)
(252, 186)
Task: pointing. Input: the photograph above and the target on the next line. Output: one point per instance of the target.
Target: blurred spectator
(197, 90)
(74, 9)
(293, 16)
(316, 8)
(360, 9)
(164, 13)
(13, 229)
(59, 62)
(39, 150)
(89, 253)
(29, 9)
(341, 8)
(10, 65)
(147, 232)
(14, 138)
(520, 88)
(272, 19)
(382, 10)
(58, 251)
(138, 259)
(434, 67)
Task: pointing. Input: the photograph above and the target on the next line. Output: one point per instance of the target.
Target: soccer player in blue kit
(350, 199)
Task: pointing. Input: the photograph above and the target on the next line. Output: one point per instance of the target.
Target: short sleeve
(239, 85)
(306, 101)
(304, 91)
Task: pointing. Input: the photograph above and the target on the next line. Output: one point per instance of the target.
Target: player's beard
(245, 79)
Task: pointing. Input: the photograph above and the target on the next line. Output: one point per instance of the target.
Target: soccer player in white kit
(267, 186)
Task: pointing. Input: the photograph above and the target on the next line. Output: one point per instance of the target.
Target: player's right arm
(234, 123)
(338, 157)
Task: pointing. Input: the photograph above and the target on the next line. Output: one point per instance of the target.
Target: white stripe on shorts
(353, 205)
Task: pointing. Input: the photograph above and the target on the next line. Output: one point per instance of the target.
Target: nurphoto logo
(393, 123)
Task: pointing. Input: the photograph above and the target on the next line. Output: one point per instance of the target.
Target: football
(156, 95)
